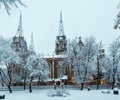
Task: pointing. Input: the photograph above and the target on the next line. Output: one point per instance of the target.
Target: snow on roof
(48, 80)
(57, 79)
(64, 77)
(55, 56)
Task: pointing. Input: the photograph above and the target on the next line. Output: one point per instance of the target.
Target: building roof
(54, 56)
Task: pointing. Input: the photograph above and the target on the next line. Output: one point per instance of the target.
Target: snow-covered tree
(114, 51)
(82, 56)
(9, 58)
(7, 4)
(105, 68)
(90, 49)
(117, 21)
(38, 68)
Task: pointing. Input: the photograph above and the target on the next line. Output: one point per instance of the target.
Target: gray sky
(80, 18)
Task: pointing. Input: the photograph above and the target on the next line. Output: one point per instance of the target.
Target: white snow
(3, 66)
(65, 77)
(74, 95)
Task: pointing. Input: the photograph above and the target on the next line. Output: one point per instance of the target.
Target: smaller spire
(31, 44)
(101, 45)
(20, 30)
(80, 41)
(61, 16)
(61, 28)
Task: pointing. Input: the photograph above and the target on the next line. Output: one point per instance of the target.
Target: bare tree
(8, 4)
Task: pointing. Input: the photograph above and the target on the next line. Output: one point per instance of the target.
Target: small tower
(101, 51)
(80, 43)
(61, 42)
(19, 42)
(31, 48)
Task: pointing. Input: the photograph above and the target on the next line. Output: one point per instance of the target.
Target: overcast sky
(80, 18)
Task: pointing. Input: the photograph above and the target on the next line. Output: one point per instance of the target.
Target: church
(59, 70)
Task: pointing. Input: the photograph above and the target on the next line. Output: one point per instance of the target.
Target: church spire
(61, 41)
(61, 28)
(101, 45)
(20, 30)
(31, 44)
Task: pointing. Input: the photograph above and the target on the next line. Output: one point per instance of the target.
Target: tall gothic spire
(61, 28)
(61, 42)
(20, 30)
(31, 43)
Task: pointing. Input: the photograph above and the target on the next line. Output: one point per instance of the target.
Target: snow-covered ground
(74, 95)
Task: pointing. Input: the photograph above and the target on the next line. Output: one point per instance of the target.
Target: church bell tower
(19, 43)
(61, 41)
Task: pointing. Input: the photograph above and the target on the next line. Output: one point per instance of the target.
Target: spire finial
(61, 28)
(20, 30)
(60, 16)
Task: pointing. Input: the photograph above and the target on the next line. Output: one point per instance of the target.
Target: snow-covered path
(74, 95)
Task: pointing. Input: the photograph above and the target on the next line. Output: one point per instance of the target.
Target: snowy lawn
(74, 95)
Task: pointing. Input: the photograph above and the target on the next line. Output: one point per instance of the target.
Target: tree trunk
(24, 84)
(98, 74)
(30, 85)
(97, 84)
(82, 85)
(38, 81)
(9, 88)
(113, 83)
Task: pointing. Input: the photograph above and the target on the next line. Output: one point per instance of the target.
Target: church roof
(54, 56)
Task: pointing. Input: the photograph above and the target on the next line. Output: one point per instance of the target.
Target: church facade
(58, 70)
